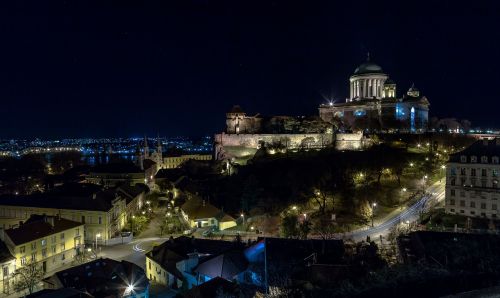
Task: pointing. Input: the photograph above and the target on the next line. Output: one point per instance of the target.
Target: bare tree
(28, 276)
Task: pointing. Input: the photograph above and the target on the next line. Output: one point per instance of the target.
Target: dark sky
(76, 69)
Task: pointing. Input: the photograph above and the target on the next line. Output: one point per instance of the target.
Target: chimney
(49, 220)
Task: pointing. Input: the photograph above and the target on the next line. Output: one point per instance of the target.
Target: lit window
(44, 242)
(473, 159)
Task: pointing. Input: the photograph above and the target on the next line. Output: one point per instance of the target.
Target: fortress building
(373, 104)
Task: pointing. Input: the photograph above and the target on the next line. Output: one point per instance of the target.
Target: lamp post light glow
(373, 211)
(411, 164)
(294, 207)
(305, 216)
(98, 235)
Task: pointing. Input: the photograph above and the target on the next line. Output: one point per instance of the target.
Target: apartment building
(472, 177)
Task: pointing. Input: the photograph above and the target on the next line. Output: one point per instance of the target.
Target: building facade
(50, 242)
(172, 162)
(103, 212)
(373, 104)
(472, 177)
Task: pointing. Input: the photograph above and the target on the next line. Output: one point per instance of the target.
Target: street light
(98, 235)
(243, 218)
(294, 207)
(373, 211)
(305, 216)
(442, 174)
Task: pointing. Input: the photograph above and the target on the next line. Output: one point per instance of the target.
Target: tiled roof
(84, 197)
(5, 254)
(175, 250)
(226, 265)
(214, 288)
(39, 226)
(196, 208)
(104, 277)
(479, 148)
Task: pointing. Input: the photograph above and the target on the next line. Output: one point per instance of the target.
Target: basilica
(373, 104)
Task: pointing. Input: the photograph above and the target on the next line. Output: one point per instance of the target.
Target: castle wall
(290, 141)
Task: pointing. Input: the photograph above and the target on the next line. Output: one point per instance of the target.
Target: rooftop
(70, 196)
(104, 278)
(39, 226)
(479, 148)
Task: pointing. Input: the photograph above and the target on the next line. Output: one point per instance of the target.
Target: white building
(472, 177)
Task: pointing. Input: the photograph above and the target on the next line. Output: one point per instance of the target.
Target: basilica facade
(373, 104)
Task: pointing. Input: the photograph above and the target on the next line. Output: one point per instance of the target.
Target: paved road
(434, 194)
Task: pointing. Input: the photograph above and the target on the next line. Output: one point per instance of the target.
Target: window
(62, 236)
(472, 181)
(5, 271)
(483, 183)
(44, 252)
(483, 172)
(473, 204)
(494, 159)
(462, 203)
(63, 257)
(463, 171)
(462, 181)
(77, 232)
(452, 192)
(463, 158)
(63, 247)
(483, 205)
(473, 159)
(23, 261)
(452, 181)
(100, 220)
(452, 202)
(149, 265)
(462, 194)
(54, 249)
(473, 172)
(483, 214)
(83, 218)
(22, 249)
(33, 257)
(494, 215)
(453, 172)
(484, 159)
(452, 210)
(33, 246)
(54, 239)
(44, 242)
(494, 173)
(473, 212)
(461, 211)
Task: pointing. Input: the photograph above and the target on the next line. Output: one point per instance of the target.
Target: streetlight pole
(373, 211)
(98, 235)
(442, 174)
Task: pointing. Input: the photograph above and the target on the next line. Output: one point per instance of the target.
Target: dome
(368, 67)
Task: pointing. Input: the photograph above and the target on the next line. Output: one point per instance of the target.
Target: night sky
(80, 69)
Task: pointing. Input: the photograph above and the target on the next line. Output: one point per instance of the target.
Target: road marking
(137, 248)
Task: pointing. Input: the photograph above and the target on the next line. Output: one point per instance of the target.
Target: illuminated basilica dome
(367, 81)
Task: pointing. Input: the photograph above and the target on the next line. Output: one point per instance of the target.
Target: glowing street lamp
(305, 216)
(98, 235)
(373, 211)
(411, 164)
(294, 207)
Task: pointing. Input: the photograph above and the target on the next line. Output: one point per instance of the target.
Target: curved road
(434, 194)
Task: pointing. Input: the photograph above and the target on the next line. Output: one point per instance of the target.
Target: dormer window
(484, 159)
(463, 158)
(473, 159)
(494, 159)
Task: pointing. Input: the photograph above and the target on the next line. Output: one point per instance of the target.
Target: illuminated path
(435, 193)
